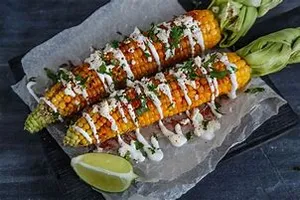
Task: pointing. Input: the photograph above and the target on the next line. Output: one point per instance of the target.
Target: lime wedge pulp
(104, 171)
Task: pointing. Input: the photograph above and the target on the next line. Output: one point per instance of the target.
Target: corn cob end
(71, 138)
(41, 117)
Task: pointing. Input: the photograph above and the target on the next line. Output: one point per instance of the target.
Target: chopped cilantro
(81, 80)
(210, 60)
(152, 87)
(55, 115)
(115, 44)
(189, 136)
(114, 62)
(255, 90)
(50, 74)
(102, 70)
(204, 124)
(218, 74)
(63, 75)
(176, 35)
(143, 107)
(152, 150)
(151, 32)
(188, 68)
(138, 145)
(147, 54)
(127, 156)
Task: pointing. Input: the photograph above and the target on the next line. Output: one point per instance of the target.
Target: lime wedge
(104, 171)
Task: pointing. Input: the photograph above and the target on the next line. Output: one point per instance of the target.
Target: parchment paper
(181, 167)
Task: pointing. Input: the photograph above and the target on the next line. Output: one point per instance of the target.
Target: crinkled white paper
(182, 167)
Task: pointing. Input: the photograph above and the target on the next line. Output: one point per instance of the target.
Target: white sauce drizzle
(232, 75)
(163, 35)
(83, 133)
(213, 85)
(69, 91)
(92, 125)
(132, 115)
(156, 101)
(164, 87)
(182, 81)
(157, 153)
(78, 89)
(119, 104)
(104, 109)
(49, 103)
(95, 61)
(142, 41)
(199, 129)
(176, 140)
(192, 31)
(30, 90)
(134, 153)
(118, 54)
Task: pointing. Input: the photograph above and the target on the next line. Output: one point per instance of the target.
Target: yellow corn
(67, 105)
(202, 91)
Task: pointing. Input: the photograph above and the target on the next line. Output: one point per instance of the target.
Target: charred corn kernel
(151, 114)
(95, 88)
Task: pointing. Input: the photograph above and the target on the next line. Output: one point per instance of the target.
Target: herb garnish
(176, 35)
(147, 54)
(138, 145)
(127, 156)
(50, 74)
(115, 44)
(63, 75)
(102, 70)
(151, 32)
(143, 107)
(189, 136)
(204, 124)
(81, 80)
(255, 90)
(152, 150)
(210, 60)
(188, 68)
(151, 87)
(218, 74)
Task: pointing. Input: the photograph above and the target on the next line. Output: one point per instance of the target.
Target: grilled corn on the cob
(142, 54)
(191, 84)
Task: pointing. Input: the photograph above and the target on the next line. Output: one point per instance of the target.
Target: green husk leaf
(236, 17)
(272, 52)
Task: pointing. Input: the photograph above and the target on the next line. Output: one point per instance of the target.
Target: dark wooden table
(269, 172)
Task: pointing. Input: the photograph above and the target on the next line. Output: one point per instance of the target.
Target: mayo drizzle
(192, 31)
(157, 155)
(213, 85)
(118, 54)
(92, 125)
(156, 101)
(212, 126)
(95, 61)
(164, 87)
(176, 140)
(163, 35)
(134, 153)
(83, 133)
(142, 41)
(232, 75)
(104, 109)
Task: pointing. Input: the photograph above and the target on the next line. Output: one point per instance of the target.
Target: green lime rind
(40, 118)
(104, 172)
